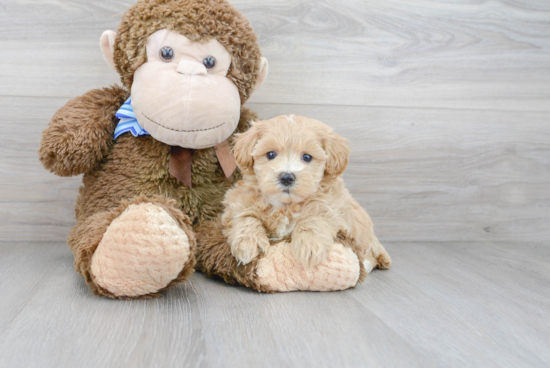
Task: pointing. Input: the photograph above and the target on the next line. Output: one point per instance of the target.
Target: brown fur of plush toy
(299, 230)
(134, 170)
(198, 20)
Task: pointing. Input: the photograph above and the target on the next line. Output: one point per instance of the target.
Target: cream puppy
(291, 190)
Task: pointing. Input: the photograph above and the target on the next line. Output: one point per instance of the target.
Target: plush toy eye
(271, 155)
(209, 62)
(307, 158)
(167, 53)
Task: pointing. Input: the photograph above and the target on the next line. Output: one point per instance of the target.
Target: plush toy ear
(264, 68)
(338, 154)
(243, 147)
(107, 44)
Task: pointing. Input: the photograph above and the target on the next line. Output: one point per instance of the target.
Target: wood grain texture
(422, 174)
(441, 305)
(427, 163)
(460, 54)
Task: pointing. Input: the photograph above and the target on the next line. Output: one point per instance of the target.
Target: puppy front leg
(366, 243)
(247, 239)
(312, 238)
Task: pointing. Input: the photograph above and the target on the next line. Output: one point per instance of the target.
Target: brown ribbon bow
(181, 162)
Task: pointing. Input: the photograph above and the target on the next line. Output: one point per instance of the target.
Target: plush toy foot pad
(141, 252)
(278, 270)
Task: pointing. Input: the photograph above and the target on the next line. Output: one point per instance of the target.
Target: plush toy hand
(81, 132)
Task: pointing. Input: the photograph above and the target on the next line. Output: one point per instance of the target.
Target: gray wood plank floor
(442, 305)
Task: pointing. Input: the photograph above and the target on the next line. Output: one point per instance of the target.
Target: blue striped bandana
(128, 121)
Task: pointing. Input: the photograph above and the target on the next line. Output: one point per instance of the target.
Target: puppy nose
(188, 67)
(287, 179)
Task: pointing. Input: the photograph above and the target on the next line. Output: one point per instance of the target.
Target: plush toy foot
(278, 270)
(147, 246)
(142, 251)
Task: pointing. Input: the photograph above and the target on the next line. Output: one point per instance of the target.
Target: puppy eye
(167, 54)
(271, 155)
(307, 158)
(209, 62)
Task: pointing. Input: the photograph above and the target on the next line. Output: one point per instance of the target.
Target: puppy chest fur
(281, 224)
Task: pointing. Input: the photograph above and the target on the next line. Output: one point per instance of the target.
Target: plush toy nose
(187, 67)
(287, 179)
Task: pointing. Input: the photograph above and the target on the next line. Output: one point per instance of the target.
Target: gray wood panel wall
(446, 105)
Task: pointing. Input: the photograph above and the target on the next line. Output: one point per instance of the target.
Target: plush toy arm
(80, 134)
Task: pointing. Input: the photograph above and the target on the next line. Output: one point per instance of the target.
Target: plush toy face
(181, 94)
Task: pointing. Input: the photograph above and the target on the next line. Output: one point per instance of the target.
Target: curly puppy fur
(79, 138)
(214, 258)
(312, 211)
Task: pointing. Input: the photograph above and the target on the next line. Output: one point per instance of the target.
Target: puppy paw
(310, 251)
(245, 250)
(369, 265)
(384, 261)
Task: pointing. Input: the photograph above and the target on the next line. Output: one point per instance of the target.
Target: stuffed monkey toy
(157, 161)
(156, 151)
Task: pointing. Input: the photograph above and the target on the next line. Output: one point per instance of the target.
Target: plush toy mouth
(181, 131)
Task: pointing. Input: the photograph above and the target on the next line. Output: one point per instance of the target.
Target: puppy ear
(338, 154)
(243, 147)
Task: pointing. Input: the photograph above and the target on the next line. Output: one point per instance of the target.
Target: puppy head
(291, 156)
